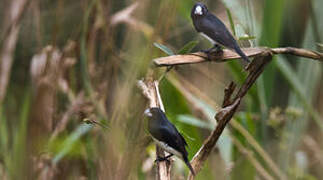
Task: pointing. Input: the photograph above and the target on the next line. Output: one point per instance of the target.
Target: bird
(166, 136)
(214, 30)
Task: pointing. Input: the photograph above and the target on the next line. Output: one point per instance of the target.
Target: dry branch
(203, 114)
(199, 57)
(191, 93)
(223, 118)
(229, 108)
(151, 91)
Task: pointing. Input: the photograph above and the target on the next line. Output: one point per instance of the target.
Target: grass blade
(164, 48)
(231, 22)
(187, 48)
(71, 141)
(297, 86)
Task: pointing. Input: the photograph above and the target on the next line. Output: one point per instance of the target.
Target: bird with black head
(166, 136)
(214, 30)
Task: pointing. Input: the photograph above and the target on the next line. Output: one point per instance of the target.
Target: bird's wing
(168, 133)
(180, 135)
(174, 139)
(216, 30)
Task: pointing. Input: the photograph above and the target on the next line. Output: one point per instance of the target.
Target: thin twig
(151, 91)
(199, 57)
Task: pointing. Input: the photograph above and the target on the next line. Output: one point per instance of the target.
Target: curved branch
(199, 57)
(230, 106)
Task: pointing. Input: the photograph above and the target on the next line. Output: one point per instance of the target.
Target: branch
(151, 92)
(191, 93)
(207, 147)
(225, 114)
(199, 57)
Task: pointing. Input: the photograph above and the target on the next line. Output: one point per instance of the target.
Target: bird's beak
(147, 112)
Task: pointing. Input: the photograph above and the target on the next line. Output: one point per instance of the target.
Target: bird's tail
(242, 54)
(189, 165)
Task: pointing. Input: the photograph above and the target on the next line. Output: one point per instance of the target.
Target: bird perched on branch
(214, 30)
(165, 134)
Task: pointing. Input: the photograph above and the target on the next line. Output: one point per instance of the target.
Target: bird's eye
(198, 10)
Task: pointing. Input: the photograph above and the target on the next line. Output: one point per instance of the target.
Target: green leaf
(18, 153)
(191, 120)
(231, 22)
(247, 38)
(72, 140)
(3, 131)
(187, 48)
(184, 9)
(164, 48)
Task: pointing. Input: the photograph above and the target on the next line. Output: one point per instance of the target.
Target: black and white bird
(214, 30)
(165, 134)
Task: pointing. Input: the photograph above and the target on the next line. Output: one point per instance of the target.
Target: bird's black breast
(164, 131)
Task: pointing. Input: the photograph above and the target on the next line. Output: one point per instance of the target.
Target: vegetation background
(70, 108)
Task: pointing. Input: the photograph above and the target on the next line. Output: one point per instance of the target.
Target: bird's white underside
(167, 148)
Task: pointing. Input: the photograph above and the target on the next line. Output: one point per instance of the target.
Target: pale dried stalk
(9, 45)
(199, 57)
(125, 16)
(151, 91)
(249, 155)
(314, 147)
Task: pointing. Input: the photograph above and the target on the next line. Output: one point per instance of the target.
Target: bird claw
(215, 51)
(166, 158)
(160, 159)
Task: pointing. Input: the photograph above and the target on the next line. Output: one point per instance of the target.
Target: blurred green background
(70, 108)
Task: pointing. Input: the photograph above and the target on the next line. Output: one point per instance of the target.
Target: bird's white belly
(167, 148)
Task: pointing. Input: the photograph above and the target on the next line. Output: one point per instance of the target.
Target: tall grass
(83, 87)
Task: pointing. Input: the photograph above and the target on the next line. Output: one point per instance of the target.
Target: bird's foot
(215, 51)
(159, 159)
